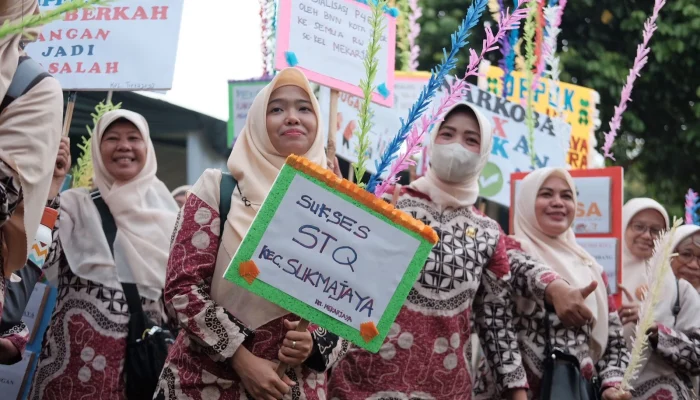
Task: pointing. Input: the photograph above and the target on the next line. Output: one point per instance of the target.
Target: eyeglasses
(687, 257)
(641, 228)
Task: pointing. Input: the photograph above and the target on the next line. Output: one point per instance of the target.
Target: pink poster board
(328, 41)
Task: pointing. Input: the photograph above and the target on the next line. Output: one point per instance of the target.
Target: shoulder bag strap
(677, 306)
(131, 292)
(228, 184)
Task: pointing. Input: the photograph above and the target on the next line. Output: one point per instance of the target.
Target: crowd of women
(485, 318)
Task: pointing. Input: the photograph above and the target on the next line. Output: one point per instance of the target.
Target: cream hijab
(145, 214)
(255, 164)
(562, 253)
(634, 270)
(464, 194)
(30, 130)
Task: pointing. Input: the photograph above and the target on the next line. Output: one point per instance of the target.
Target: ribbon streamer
(529, 36)
(413, 32)
(553, 15)
(17, 27)
(640, 61)
(691, 208)
(437, 77)
(371, 63)
(454, 93)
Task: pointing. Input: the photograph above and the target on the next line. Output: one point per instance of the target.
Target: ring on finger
(294, 344)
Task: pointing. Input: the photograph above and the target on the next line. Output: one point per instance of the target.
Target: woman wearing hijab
(544, 213)
(674, 358)
(30, 130)
(85, 345)
(424, 354)
(684, 266)
(231, 338)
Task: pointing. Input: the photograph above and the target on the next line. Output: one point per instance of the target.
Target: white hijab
(462, 194)
(143, 210)
(562, 253)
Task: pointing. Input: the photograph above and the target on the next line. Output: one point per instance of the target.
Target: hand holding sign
(568, 302)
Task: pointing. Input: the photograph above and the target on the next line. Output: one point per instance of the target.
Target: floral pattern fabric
(199, 363)
(83, 352)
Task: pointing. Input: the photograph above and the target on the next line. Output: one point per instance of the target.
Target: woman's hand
(616, 394)
(63, 164)
(335, 167)
(517, 394)
(259, 376)
(296, 346)
(569, 303)
(628, 313)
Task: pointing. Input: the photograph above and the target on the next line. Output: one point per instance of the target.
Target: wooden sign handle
(332, 125)
(282, 367)
(69, 112)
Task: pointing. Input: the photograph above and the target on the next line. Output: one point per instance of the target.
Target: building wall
(200, 156)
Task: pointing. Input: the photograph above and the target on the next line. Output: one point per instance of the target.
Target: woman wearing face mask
(424, 355)
(231, 338)
(544, 212)
(85, 345)
(674, 356)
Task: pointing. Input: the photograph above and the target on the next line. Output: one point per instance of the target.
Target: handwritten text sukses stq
(317, 239)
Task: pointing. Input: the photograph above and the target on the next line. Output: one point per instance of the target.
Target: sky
(219, 40)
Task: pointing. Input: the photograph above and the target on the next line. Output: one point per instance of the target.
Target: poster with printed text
(579, 105)
(240, 98)
(124, 45)
(328, 40)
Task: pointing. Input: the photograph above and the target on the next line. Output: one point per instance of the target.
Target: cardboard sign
(579, 105)
(332, 253)
(605, 251)
(510, 151)
(598, 220)
(240, 98)
(328, 41)
(125, 45)
(385, 122)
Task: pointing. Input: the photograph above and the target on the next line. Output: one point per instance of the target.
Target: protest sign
(240, 98)
(510, 152)
(579, 106)
(332, 253)
(328, 41)
(598, 219)
(125, 45)
(385, 123)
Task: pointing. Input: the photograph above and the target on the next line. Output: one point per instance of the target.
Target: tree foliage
(659, 140)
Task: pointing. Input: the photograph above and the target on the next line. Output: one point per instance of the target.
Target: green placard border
(257, 230)
(230, 129)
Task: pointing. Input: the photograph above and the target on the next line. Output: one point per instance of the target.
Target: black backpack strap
(28, 74)
(677, 306)
(228, 184)
(109, 227)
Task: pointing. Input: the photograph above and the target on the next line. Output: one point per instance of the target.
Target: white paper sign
(352, 260)
(126, 45)
(593, 211)
(510, 149)
(605, 251)
(329, 40)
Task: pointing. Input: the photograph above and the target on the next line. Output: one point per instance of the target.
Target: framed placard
(332, 253)
(240, 98)
(328, 41)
